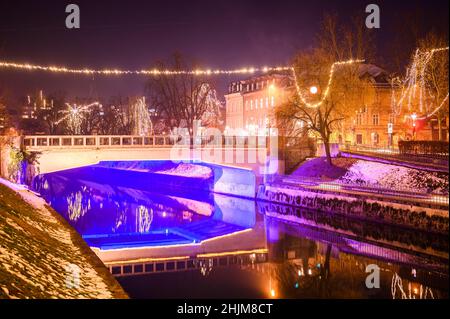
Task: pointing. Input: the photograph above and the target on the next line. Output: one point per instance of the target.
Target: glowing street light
(313, 90)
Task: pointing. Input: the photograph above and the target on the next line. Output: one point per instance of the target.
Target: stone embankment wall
(433, 220)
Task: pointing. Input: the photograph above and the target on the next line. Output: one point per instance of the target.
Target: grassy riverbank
(40, 254)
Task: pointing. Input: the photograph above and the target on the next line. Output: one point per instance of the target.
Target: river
(169, 242)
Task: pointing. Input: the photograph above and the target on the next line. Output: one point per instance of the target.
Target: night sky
(218, 34)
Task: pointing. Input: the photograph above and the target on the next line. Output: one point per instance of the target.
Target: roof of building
(379, 75)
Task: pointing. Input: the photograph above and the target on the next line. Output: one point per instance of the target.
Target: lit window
(261, 103)
(272, 101)
(251, 105)
(359, 119)
(375, 119)
(359, 139)
(267, 102)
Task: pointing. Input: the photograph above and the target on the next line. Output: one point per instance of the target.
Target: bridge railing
(113, 141)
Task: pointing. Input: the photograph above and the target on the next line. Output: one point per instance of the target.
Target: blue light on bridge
(122, 205)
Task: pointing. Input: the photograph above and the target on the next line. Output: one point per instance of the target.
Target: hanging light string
(414, 74)
(86, 71)
(413, 86)
(154, 72)
(327, 89)
(435, 110)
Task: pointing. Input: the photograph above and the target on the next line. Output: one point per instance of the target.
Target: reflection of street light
(313, 90)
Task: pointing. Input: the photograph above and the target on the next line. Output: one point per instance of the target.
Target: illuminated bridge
(62, 152)
(239, 164)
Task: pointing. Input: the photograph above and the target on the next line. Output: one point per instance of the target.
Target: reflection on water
(188, 244)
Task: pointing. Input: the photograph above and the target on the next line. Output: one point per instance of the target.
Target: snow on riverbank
(393, 176)
(42, 257)
(188, 170)
(367, 173)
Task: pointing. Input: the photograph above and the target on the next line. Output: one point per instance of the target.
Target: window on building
(261, 103)
(359, 139)
(375, 139)
(375, 119)
(272, 101)
(359, 118)
(267, 102)
(391, 118)
(251, 105)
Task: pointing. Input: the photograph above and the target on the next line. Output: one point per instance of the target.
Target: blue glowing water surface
(112, 207)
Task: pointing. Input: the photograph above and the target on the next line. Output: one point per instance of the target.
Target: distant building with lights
(250, 106)
(35, 103)
(250, 103)
(376, 125)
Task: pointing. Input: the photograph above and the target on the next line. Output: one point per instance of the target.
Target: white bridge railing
(113, 141)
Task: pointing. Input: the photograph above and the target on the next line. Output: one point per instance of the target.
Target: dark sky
(134, 34)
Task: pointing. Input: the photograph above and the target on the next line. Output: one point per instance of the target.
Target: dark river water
(169, 242)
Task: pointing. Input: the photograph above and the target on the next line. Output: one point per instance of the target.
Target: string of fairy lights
(410, 87)
(326, 92)
(155, 72)
(414, 94)
(86, 71)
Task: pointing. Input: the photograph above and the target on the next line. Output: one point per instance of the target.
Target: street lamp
(313, 89)
(271, 87)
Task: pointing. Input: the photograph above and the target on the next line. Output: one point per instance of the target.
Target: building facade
(35, 103)
(251, 103)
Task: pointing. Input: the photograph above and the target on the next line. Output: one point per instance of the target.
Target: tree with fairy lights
(81, 118)
(328, 92)
(422, 93)
(142, 122)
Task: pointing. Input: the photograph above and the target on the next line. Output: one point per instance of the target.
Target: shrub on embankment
(396, 214)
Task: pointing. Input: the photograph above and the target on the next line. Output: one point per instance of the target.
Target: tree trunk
(326, 145)
(439, 127)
